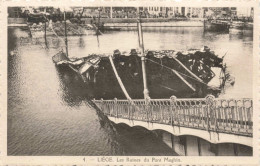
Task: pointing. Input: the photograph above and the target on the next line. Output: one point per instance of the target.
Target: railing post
(210, 99)
(102, 104)
(147, 108)
(94, 100)
(172, 107)
(115, 106)
(130, 102)
(250, 120)
(161, 111)
(214, 107)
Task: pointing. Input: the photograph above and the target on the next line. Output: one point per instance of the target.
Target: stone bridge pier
(188, 145)
(195, 142)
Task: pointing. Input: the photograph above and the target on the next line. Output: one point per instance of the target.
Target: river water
(49, 112)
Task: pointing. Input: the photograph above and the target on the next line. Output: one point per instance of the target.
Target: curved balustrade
(233, 116)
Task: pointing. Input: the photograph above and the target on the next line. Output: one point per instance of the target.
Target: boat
(36, 18)
(216, 25)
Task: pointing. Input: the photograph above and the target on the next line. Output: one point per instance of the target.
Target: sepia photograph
(130, 80)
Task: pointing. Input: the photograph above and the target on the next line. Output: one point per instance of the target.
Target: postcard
(129, 83)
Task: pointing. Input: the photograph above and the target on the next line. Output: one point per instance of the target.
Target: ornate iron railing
(233, 116)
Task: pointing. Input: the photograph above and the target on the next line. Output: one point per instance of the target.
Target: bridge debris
(190, 71)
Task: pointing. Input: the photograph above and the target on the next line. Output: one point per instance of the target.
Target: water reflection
(81, 42)
(240, 37)
(73, 89)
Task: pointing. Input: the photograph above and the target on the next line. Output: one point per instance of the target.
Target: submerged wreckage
(150, 73)
(169, 72)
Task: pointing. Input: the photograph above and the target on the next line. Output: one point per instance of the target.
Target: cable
(175, 71)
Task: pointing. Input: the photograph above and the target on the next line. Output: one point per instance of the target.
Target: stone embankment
(147, 22)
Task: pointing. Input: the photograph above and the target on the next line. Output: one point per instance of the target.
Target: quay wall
(17, 22)
(159, 24)
(134, 20)
(148, 22)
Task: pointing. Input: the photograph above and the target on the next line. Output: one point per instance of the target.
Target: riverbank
(159, 24)
(129, 22)
(17, 22)
(148, 22)
(133, 20)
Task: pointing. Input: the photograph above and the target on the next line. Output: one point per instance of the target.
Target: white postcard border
(95, 160)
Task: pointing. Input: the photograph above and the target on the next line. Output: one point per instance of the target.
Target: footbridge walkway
(213, 119)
